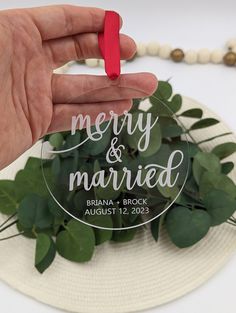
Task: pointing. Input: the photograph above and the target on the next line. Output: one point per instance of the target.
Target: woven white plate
(121, 277)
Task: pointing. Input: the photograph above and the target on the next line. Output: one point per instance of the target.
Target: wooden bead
(91, 62)
(153, 48)
(164, 51)
(230, 58)
(204, 56)
(177, 55)
(217, 56)
(141, 49)
(190, 57)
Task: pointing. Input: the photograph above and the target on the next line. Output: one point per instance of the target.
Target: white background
(186, 24)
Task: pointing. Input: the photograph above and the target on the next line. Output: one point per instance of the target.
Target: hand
(33, 100)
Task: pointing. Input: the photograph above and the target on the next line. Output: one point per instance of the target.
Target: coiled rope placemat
(121, 277)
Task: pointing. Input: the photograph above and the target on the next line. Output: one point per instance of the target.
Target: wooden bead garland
(203, 56)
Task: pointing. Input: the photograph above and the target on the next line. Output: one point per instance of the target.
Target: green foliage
(156, 226)
(33, 213)
(203, 123)
(207, 199)
(101, 235)
(45, 252)
(227, 167)
(176, 103)
(164, 90)
(76, 243)
(124, 235)
(30, 180)
(211, 180)
(187, 227)
(155, 137)
(194, 113)
(204, 161)
(8, 200)
(220, 206)
(56, 140)
(224, 150)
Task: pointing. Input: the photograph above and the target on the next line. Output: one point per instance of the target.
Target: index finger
(66, 20)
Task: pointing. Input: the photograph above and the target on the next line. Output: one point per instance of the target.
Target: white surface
(186, 24)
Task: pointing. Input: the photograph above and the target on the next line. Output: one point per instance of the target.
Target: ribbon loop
(109, 44)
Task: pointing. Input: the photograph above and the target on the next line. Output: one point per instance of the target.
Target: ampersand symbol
(114, 154)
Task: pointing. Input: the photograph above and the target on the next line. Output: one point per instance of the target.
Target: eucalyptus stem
(232, 219)
(13, 236)
(8, 226)
(212, 138)
(231, 223)
(192, 138)
(7, 220)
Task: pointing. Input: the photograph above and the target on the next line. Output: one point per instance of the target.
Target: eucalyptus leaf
(154, 144)
(109, 193)
(26, 183)
(56, 140)
(56, 165)
(169, 192)
(124, 235)
(211, 180)
(155, 137)
(219, 205)
(204, 161)
(172, 131)
(194, 113)
(55, 209)
(33, 163)
(81, 198)
(156, 226)
(67, 166)
(164, 90)
(96, 166)
(189, 149)
(94, 148)
(186, 227)
(76, 243)
(227, 167)
(176, 103)
(204, 123)
(155, 229)
(70, 142)
(101, 235)
(159, 107)
(8, 199)
(224, 150)
(117, 218)
(45, 252)
(33, 212)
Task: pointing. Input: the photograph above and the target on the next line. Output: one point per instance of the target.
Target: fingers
(66, 20)
(62, 113)
(83, 46)
(89, 88)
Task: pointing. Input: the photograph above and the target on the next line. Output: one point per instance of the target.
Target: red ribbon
(109, 44)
